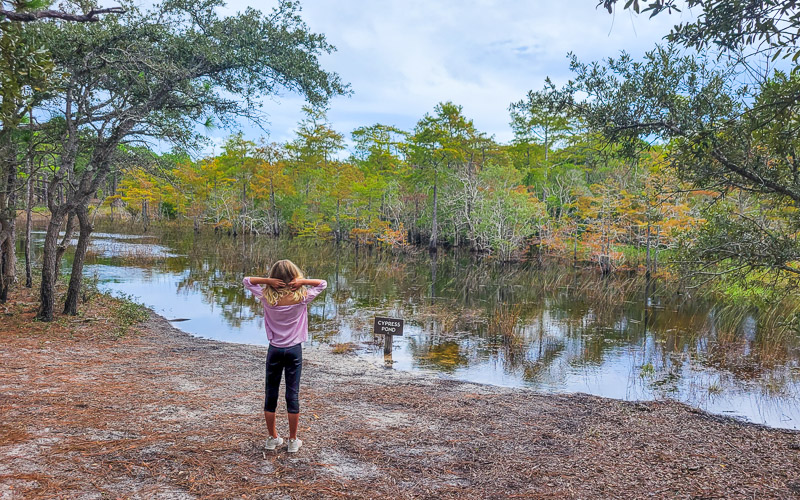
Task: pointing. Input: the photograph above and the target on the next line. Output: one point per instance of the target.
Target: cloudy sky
(402, 57)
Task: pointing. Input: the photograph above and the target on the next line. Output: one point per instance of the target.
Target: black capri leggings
(279, 359)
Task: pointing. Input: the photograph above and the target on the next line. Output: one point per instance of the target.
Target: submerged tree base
(160, 412)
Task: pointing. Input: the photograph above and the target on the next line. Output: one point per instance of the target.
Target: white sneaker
(273, 443)
(294, 445)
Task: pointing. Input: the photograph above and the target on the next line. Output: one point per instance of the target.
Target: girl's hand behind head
(275, 283)
(295, 283)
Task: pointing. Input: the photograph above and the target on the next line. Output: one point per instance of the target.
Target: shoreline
(160, 412)
(374, 359)
(321, 353)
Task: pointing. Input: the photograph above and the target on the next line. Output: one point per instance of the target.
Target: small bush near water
(127, 313)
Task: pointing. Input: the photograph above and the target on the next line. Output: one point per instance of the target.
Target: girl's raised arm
(317, 286)
(252, 282)
(252, 285)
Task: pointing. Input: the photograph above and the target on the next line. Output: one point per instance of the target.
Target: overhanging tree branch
(88, 17)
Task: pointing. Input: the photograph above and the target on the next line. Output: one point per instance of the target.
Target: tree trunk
(546, 165)
(50, 257)
(28, 221)
(338, 223)
(434, 228)
(244, 203)
(647, 252)
(4, 285)
(8, 218)
(9, 259)
(145, 215)
(575, 248)
(62, 247)
(76, 277)
(655, 253)
(416, 218)
(470, 226)
(275, 230)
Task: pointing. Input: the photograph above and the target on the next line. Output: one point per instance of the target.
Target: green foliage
(127, 314)
(90, 288)
(544, 117)
(168, 210)
(725, 141)
(730, 25)
(181, 63)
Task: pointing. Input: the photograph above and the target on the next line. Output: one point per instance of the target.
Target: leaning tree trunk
(61, 248)
(76, 277)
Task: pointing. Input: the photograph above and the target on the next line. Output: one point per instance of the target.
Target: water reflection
(550, 329)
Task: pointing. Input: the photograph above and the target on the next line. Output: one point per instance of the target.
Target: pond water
(554, 329)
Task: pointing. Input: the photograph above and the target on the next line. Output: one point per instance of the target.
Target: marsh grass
(446, 318)
(343, 348)
(749, 342)
(137, 257)
(504, 323)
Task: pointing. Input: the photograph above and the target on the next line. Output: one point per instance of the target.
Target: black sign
(388, 326)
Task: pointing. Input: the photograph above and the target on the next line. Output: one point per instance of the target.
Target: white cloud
(403, 57)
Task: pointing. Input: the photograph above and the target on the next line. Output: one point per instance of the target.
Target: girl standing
(284, 300)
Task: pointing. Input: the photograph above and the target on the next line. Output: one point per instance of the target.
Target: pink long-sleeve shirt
(286, 325)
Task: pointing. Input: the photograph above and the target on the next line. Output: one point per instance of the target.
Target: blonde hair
(286, 271)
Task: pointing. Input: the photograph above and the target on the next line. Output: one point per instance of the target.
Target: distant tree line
(557, 190)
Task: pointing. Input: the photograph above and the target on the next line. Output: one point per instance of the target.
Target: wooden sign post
(388, 327)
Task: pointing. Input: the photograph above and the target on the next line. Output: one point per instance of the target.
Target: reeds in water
(504, 323)
(343, 348)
